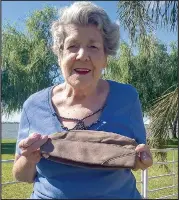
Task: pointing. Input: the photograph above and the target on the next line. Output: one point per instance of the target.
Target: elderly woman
(83, 38)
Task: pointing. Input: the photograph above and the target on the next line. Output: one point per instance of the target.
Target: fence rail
(144, 176)
(162, 175)
(7, 161)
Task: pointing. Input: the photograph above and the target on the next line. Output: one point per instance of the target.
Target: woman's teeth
(82, 71)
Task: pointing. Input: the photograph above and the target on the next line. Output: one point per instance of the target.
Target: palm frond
(142, 17)
(162, 113)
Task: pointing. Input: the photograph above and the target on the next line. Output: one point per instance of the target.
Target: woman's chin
(80, 82)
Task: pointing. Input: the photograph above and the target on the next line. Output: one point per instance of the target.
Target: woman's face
(83, 57)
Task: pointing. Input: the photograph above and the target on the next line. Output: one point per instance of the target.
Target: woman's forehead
(77, 32)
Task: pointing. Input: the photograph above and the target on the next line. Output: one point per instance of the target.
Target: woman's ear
(105, 62)
(59, 60)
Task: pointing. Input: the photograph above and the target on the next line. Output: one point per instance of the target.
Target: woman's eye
(72, 46)
(93, 47)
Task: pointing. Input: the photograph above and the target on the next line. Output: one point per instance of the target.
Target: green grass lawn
(23, 190)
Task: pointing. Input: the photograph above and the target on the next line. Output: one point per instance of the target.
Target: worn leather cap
(91, 149)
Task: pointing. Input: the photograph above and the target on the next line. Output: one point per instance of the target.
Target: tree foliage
(118, 68)
(142, 17)
(151, 75)
(154, 75)
(163, 113)
(156, 71)
(28, 64)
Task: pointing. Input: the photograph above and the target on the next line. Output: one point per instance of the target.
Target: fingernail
(144, 155)
(44, 136)
(45, 155)
(34, 135)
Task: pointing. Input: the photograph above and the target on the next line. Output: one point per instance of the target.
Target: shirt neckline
(103, 111)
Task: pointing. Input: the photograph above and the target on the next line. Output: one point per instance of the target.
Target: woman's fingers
(141, 166)
(34, 157)
(146, 159)
(29, 141)
(35, 144)
(141, 147)
(145, 156)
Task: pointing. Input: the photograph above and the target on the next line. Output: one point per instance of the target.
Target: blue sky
(17, 12)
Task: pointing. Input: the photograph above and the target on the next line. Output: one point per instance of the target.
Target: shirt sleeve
(137, 122)
(23, 131)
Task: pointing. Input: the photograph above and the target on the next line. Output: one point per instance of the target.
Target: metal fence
(145, 179)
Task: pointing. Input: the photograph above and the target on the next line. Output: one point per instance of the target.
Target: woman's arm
(24, 168)
(137, 124)
(27, 150)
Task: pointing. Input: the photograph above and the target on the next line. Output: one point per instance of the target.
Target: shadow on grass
(171, 146)
(8, 148)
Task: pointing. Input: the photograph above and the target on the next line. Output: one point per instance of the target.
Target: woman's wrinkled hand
(145, 157)
(30, 147)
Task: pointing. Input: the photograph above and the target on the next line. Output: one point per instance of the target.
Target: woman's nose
(82, 54)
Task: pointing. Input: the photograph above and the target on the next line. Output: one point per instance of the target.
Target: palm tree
(141, 17)
(163, 113)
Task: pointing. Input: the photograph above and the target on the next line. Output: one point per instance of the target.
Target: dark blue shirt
(122, 114)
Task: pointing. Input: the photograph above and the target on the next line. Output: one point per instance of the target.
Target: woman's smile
(82, 71)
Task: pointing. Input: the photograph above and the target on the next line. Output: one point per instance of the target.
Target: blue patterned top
(122, 114)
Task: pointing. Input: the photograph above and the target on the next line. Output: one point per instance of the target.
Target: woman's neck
(81, 93)
(65, 95)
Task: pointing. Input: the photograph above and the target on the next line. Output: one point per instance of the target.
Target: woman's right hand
(30, 147)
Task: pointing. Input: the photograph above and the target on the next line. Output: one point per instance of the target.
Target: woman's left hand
(145, 157)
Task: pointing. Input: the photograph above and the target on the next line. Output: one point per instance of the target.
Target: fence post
(173, 171)
(142, 183)
(145, 183)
